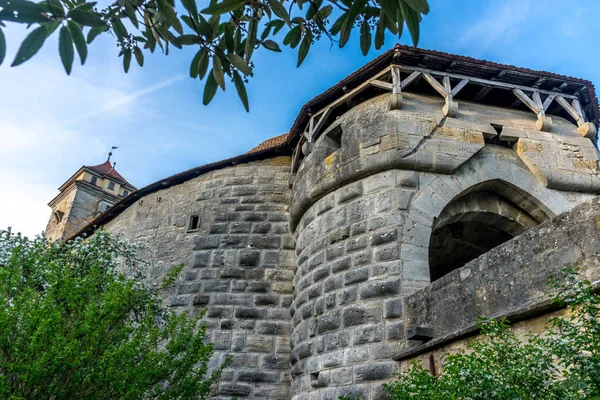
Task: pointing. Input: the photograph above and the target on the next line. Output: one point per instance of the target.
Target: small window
(94, 180)
(111, 186)
(125, 193)
(106, 207)
(193, 225)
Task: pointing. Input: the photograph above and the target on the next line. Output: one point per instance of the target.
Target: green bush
(77, 321)
(563, 363)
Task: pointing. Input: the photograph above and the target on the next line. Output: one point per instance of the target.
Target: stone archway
(475, 222)
(494, 189)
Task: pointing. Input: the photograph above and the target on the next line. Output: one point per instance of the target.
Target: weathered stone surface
(312, 289)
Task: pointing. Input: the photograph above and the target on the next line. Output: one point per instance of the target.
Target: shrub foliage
(563, 363)
(77, 322)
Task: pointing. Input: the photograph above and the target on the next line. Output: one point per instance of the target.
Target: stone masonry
(238, 265)
(380, 227)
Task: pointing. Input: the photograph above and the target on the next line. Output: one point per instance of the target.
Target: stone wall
(238, 264)
(510, 280)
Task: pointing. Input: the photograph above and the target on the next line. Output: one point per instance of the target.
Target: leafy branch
(227, 33)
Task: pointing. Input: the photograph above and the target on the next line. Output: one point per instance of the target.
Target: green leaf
(188, 39)
(86, 18)
(78, 39)
(325, 12)
(277, 24)
(65, 49)
(365, 37)
(229, 37)
(313, 9)
(223, 7)
(51, 26)
(170, 15)
(239, 63)
(56, 7)
(194, 65)
(390, 8)
(126, 60)
(279, 10)
(419, 6)
(250, 39)
(139, 56)
(130, 12)
(2, 46)
(380, 32)
(271, 45)
(241, 90)
(22, 11)
(203, 63)
(351, 15)
(217, 72)
(412, 22)
(304, 48)
(337, 25)
(190, 6)
(94, 32)
(205, 28)
(31, 45)
(119, 29)
(209, 89)
(293, 37)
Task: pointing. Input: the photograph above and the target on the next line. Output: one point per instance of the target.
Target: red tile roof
(270, 143)
(107, 169)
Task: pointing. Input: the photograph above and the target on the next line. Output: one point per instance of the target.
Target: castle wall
(238, 265)
(364, 204)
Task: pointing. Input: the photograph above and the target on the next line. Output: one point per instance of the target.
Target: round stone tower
(394, 191)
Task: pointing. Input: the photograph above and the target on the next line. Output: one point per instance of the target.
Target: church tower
(91, 191)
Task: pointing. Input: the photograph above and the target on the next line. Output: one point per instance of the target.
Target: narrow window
(193, 225)
(94, 180)
(111, 186)
(125, 193)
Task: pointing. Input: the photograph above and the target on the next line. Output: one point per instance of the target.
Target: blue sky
(51, 124)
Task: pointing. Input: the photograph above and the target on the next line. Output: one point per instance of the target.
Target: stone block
(374, 372)
(368, 334)
(361, 314)
(356, 275)
(266, 300)
(380, 288)
(259, 344)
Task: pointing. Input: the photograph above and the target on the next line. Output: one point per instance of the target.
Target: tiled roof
(107, 169)
(270, 143)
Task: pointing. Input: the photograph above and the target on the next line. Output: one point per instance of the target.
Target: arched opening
(478, 220)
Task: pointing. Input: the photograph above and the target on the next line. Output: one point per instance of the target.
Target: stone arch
(514, 197)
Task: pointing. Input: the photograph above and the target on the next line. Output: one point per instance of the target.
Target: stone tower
(418, 193)
(91, 191)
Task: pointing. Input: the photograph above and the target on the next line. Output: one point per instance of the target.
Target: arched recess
(477, 221)
(493, 188)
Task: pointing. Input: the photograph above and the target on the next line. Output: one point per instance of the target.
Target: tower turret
(91, 191)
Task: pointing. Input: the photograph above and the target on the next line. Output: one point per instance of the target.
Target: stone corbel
(543, 122)
(585, 129)
(398, 85)
(451, 107)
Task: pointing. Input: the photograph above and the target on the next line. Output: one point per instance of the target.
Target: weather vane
(110, 152)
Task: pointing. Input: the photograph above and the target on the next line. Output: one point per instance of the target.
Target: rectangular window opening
(94, 180)
(111, 186)
(193, 225)
(125, 193)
